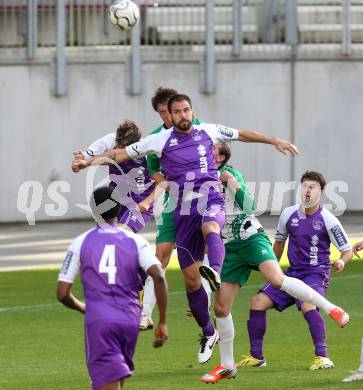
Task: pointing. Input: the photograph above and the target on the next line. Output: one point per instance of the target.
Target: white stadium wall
(320, 109)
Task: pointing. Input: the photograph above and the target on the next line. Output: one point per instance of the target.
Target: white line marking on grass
(28, 307)
(176, 292)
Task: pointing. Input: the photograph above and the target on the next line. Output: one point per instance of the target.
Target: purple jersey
(109, 260)
(131, 177)
(187, 158)
(310, 237)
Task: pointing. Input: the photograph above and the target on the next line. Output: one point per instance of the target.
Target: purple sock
(216, 251)
(256, 326)
(198, 304)
(317, 331)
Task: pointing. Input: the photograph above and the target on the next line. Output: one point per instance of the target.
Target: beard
(183, 125)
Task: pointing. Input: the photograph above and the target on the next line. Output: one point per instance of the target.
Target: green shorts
(243, 256)
(166, 229)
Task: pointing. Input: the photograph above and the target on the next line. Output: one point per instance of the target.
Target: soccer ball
(124, 14)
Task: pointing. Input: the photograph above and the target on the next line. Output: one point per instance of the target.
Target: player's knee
(276, 281)
(260, 302)
(221, 309)
(163, 256)
(192, 284)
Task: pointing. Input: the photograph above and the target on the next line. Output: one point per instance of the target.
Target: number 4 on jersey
(107, 263)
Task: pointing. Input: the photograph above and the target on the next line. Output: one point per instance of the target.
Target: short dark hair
(179, 98)
(224, 150)
(162, 96)
(101, 195)
(127, 133)
(314, 176)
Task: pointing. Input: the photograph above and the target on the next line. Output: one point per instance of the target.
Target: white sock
(225, 329)
(149, 299)
(205, 282)
(361, 359)
(305, 293)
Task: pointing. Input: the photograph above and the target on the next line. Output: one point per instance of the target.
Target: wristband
(341, 261)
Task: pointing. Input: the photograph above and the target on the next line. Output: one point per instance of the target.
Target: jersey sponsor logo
(317, 224)
(226, 131)
(201, 150)
(134, 148)
(197, 136)
(66, 262)
(173, 142)
(314, 240)
(339, 235)
(314, 250)
(203, 161)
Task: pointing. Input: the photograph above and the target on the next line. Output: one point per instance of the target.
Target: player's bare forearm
(65, 296)
(158, 177)
(161, 290)
(281, 145)
(160, 189)
(278, 248)
(107, 158)
(357, 247)
(345, 258)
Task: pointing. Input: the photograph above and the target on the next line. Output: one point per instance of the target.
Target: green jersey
(240, 223)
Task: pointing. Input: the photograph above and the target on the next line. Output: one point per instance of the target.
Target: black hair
(101, 195)
(162, 96)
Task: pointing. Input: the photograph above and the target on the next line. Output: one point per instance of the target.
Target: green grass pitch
(42, 342)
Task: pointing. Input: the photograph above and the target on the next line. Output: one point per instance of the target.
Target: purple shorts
(110, 347)
(317, 281)
(134, 219)
(189, 239)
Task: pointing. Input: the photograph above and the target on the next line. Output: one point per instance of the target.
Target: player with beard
(186, 155)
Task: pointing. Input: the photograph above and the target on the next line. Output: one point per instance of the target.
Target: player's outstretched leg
(272, 272)
(304, 293)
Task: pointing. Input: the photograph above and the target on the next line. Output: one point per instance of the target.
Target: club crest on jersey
(201, 150)
(295, 222)
(173, 142)
(317, 224)
(314, 240)
(197, 136)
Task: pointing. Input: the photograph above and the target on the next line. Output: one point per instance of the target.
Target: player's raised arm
(107, 158)
(220, 133)
(281, 145)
